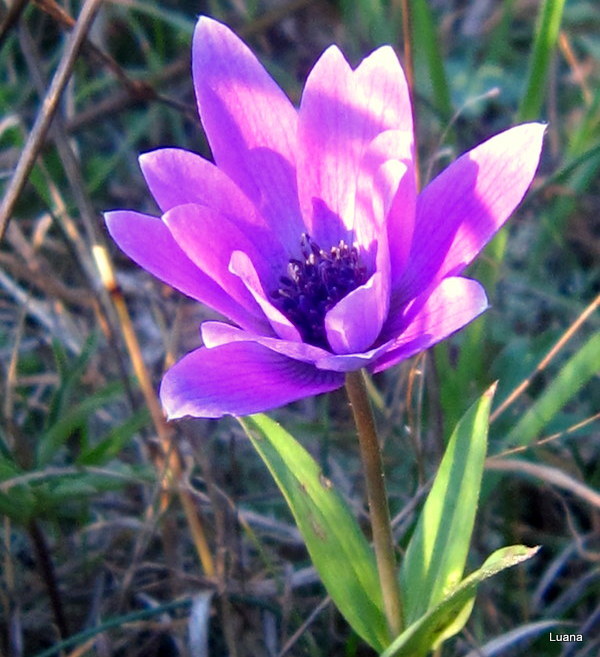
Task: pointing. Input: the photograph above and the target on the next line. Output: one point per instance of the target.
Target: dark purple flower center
(313, 285)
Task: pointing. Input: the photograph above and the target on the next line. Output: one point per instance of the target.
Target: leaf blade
(574, 374)
(338, 548)
(426, 632)
(437, 552)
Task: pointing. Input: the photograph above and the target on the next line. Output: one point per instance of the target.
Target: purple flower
(307, 233)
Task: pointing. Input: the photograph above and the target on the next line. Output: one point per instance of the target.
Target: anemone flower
(307, 232)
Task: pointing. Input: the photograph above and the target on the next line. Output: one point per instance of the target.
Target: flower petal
(147, 241)
(238, 379)
(209, 238)
(459, 211)
(177, 177)
(242, 109)
(215, 334)
(354, 323)
(241, 265)
(386, 192)
(341, 112)
(400, 217)
(453, 303)
(278, 203)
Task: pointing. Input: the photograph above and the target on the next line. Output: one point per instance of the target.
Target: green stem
(377, 498)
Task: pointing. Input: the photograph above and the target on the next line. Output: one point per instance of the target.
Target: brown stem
(377, 498)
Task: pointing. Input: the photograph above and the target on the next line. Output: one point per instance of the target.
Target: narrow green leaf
(338, 548)
(546, 34)
(424, 634)
(72, 419)
(110, 446)
(69, 372)
(425, 40)
(437, 552)
(575, 373)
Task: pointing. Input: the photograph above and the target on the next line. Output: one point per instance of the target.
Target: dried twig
(44, 118)
(547, 473)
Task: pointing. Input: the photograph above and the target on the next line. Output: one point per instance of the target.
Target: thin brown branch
(41, 277)
(173, 464)
(546, 473)
(46, 114)
(12, 16)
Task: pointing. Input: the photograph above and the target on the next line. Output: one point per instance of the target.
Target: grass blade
(546, 37)
(436, 555)
(576, 372)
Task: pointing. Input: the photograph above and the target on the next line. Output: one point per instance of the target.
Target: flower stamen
(314, 284)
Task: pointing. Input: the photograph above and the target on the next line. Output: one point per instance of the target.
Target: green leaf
(72, 419)
(426, 42)
(574, 374)
(546, 35)
(17, 502)
(437, 552)
(419, 638)
(338, 548)
(110, 446)
(70, 373)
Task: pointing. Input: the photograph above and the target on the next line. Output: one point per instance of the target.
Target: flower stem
(377, 499)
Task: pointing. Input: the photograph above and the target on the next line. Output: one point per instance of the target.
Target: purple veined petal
(240, 106)
(327, 161)
(349, 362)
(209, 238)
(238, 379)
(392, 149)
(461, 209)
(381, 81)
(241, 265)
(354, 323)
(279, 207)
(178, 177)
(395, 182)
(341, 112)
(215, 334)
(455, 302)
(148, 241)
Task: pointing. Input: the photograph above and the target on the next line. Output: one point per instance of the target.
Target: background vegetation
(104, 507)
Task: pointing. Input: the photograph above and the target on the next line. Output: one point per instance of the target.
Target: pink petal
(215, 334)
(209, 238)
(453, 303)
(241, 265)
(354, 323)
(395, 188)
(278, 203)
(243, 109)
(177, 177)
(148, 242)
(341, 112)
(459, 211)
(238, 379)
